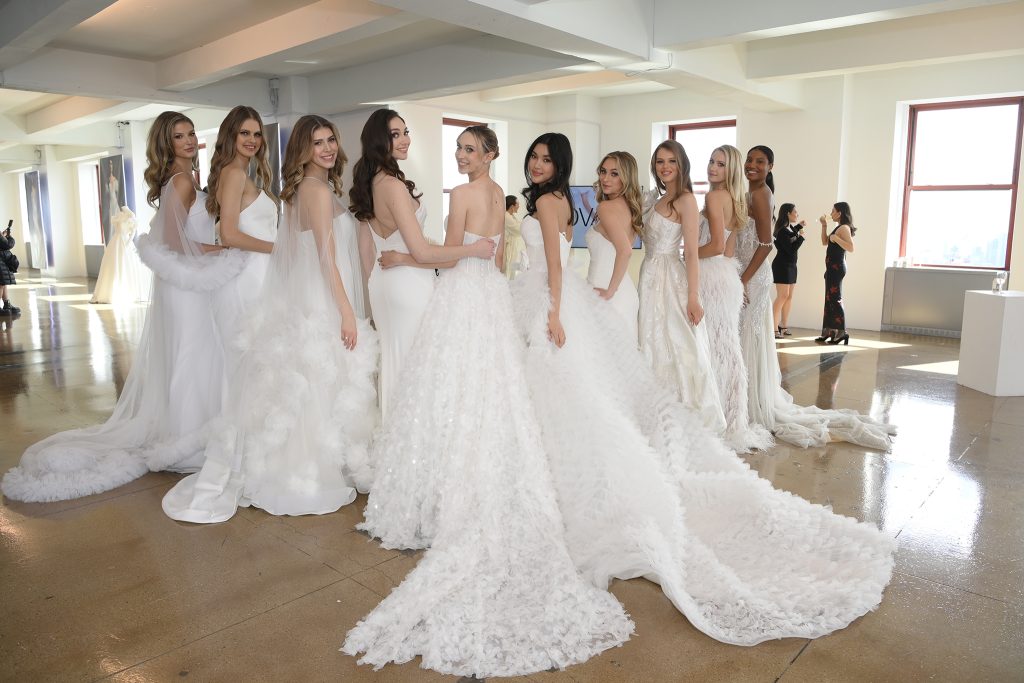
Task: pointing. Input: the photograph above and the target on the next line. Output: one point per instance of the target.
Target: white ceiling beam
(28, 25)
(554, 86)
(74, 112)
(433, 72)
(684, 25)
(954, 36)
(289, 36)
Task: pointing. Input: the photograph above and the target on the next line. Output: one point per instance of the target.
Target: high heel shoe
(824, 338)
(778, 333)
(844, 340)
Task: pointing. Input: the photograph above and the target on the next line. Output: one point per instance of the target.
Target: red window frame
(673, 128)
(909, 186)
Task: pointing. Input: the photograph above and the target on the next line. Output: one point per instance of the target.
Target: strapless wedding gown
(676, 350)
(602, 263)
(769, 404)
(721, 294)
(294, 437)
(647, 491)
(239, 299)
(460, 467)
(398, 298)
(173, 389)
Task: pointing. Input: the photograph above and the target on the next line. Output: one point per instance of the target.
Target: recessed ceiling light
(302, 61)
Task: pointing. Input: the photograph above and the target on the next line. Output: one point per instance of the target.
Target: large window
(699, 139)
(450, 176)
(963, 160)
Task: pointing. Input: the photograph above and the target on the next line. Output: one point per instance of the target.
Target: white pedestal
(992, 343)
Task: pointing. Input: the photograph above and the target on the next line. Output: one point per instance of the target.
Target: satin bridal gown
(769, 404)
(626, 302)
(294, 437)
(398, 298)
(646, 490)
(461, 469)
(175, 383)
(676, 350)
(721, 295)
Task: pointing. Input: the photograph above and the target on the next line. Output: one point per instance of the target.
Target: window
(89, 202)
(450, 176)
(963, 159)
(699, 139)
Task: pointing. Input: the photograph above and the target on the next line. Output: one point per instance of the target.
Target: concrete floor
(108, 588)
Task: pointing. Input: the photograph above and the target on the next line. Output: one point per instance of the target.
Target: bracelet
(764, 244)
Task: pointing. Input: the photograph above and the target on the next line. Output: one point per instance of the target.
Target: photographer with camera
(8, 267)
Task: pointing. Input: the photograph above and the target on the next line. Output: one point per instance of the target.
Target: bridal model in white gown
(174, 386)
(721, 294)
(676, 350)
(646, 490)
(398, 298)
(626, 302)
(769, 404)
(460, 468)
(293, 439)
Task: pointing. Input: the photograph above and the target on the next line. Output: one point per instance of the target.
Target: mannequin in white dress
(174, 386)
(673, 335)
(496, 593)
(293, 439)
(610, 241)
(247, 218)
(725, 210)
(401, 278)
(122, 279)
(770, 405)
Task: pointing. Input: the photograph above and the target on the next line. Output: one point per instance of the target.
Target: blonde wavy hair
(160, 153)
(734, 184)
(224, 153)
(299, 152)
(630, 187)
(685, 184)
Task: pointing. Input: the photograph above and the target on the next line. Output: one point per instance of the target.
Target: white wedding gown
(460, 468)
(122, 278)
(676, 350)
(174, 386)
(769, 404)
(294, 436)
(626, 301)
(721, 295)
(398, 298)
(646, 490)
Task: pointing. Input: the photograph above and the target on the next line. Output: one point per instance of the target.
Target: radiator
(929, 300)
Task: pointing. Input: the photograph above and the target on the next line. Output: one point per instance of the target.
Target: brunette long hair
(160, 153)
(685, 184)
(299, 152)
(224, 153)
(376, 156)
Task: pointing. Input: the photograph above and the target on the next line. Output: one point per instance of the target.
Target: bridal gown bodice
(677, 350)
(602, 266)
(398, 298)
(200, 226)
(535, 245)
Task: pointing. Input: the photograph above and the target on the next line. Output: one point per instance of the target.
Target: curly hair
(160, 153)
(376, 157)
(630, 187)
(299, 152)
(224, 153)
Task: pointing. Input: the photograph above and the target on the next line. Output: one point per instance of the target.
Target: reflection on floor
(108, 588)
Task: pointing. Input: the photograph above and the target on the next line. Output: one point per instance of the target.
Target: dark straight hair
(783, 220)
(560, 153)
(767, 151)
(845, 215)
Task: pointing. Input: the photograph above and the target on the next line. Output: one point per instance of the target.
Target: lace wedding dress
(460, 468)
(646, 490)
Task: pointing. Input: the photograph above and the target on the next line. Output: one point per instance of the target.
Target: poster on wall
(112, 192)
(39, 237)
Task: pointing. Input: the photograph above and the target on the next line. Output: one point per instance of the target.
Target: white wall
(10, 207)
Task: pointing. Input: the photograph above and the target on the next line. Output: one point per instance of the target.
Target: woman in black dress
(789, 235)
(837, 243)
(8, 267)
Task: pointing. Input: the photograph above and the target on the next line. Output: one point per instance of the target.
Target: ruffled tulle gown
(398, 298)
(768, 403)
(122, 278)
(174, 386)
(646, 490)
(677, 351)
(626, 301)
(460, 468)
(721, 295)
(294, 436)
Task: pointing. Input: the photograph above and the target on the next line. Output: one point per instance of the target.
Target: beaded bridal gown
(721, 295)
(398, 298)
(602, 265)
(460, 468)
(676, 350)
(646, 490)
(294, 435)
(769, 404)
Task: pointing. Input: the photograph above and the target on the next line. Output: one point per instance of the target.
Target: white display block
(992, 343)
